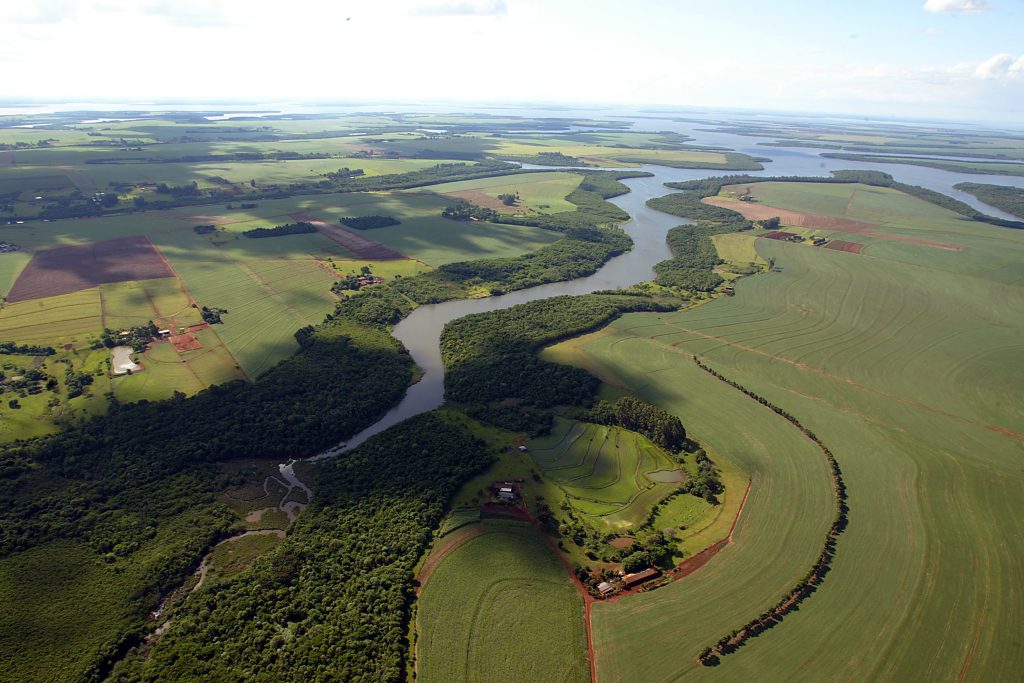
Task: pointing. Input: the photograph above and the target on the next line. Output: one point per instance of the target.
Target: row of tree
(299, 228)
(730, 642)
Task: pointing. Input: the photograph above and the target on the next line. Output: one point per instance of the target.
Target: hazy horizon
(955, 60)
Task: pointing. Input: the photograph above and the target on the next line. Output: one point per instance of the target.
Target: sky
(945, 59)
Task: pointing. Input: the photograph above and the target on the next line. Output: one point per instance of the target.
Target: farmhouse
(636, 578)
(604, 588)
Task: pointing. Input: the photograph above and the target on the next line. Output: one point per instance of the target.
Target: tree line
(733, 640)
(298, 228)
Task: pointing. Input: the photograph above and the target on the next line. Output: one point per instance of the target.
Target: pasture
(908, 366)
(538, 192)
(611, 476)
(501, 607)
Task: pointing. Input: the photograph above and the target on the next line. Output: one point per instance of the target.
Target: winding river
(421, 331)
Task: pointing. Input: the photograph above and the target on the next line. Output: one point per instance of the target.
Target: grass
(907, 366)
(234, 556)
(604, 472)
(501, 607)
(738, 248)
(135, 303)
(538, 192)
(64, 319)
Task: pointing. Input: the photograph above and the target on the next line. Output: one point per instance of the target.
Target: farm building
(604, 588)
(635, 578)
(523, 449)
(506, 493)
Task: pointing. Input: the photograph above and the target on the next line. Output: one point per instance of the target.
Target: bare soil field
(759, 212)
(849, 247)
(185, 342)
(357, 244)
(70, 269)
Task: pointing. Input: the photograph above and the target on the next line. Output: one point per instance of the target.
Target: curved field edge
(500, 607)
(656, 635)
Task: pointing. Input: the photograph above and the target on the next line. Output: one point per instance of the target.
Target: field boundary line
(812, 580)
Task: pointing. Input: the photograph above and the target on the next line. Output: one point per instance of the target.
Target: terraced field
(501, 607)
(610, 475)
(906, 361)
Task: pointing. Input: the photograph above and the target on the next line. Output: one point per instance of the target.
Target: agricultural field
(953, 165)
(538, 192)
(907, 366)
(610, 476)
(501, 607)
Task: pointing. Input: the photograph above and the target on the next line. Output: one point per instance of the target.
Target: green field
(135, 303)
(908, 367)
(539, 192)
(608, 474)
(952, 165)
(501, 607)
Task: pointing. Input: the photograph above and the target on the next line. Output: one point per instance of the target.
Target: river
(421, 331)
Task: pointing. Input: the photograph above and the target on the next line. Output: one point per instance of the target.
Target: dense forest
(1008, 199)
(299, 228)
(658, 425)
(333, 601)
(368, 222)
(491, 362)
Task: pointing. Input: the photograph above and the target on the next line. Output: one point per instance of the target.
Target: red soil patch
(71, 269)
(183, 343)
(360, 246)
(505, 511)
(777, 235)
(621, 542)
(840, 245)
(759, 212)
(200, 326)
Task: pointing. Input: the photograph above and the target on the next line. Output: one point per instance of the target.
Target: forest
(368, 222)
(491, 362)
(333, 601)
(1008, 199)
(281, 230)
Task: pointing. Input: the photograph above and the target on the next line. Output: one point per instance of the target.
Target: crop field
(266, 304)
(501, 607)
(68, 318)
(952, 165)
(166, 371)
(69, 269)
(908, 366)
(538, 192)
(611, 155)
(857, 211)
(131, 304)
(608, 474)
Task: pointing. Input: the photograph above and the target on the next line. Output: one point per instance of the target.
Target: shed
(641, 576)
(604, 588)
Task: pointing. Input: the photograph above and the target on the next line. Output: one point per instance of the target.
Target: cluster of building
(8, 248)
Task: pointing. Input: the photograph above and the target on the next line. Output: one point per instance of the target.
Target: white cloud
(461, 8)
(956, 6)
(1002, 65)
(189, 13)
(44, 12)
